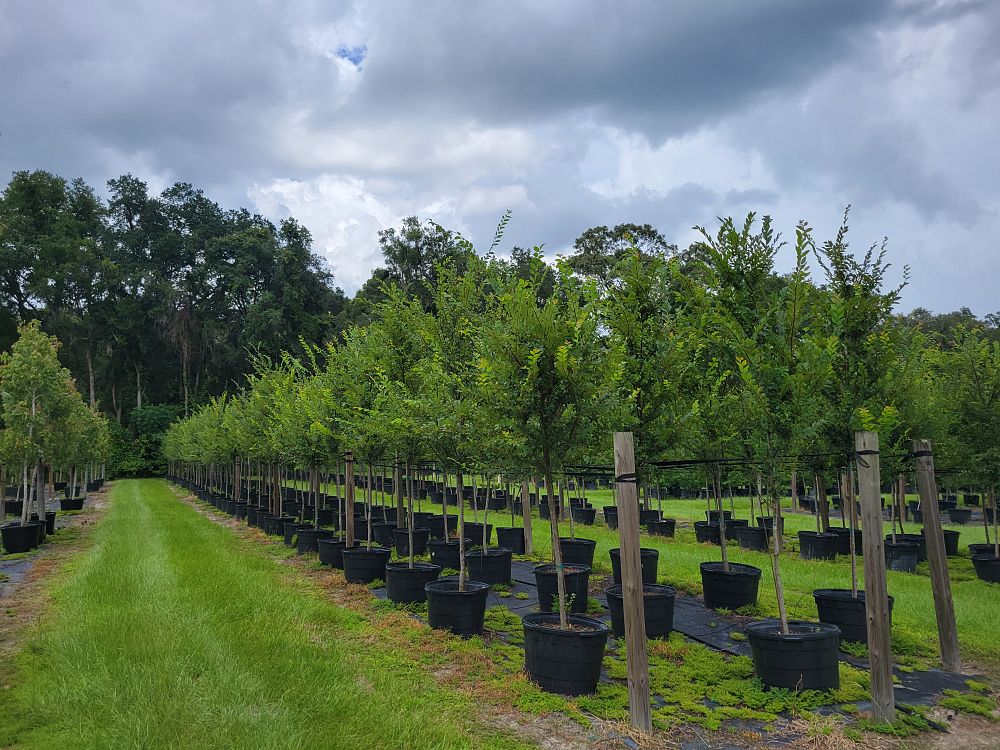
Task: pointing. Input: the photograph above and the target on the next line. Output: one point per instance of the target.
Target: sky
(570, 113)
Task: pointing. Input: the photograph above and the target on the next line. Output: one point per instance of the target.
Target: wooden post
(876, 593)
(526, 517)
(937, 558)
(348, 499)
(635, 620)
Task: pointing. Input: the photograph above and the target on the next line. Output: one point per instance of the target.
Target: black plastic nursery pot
(231, 507)
(19, 537)
(577, 551)
(308, 539)
(511, 537)
(331, 552)
(423, 519)
(363, 565)
(474, 531)
(729, 590)
(970, 499)
(252, 515)
(947, 505)
(657, 606)
(611, 517)
(564, 661)
(987, 567)
(844, 540)
(384, 533)
(16, 507)
(663, 527)
(451, 608)
(275, 525)
(960, 515)
(751, 537)
(767, 522)
(543, 509)
(491, 565)
(901, 556)
(807, 658)
(584, 516)
(420, 539)
(241, 511)
(75, 503)
(50, 522)
(713, 515)
(647, 517)
(648, 559)
(290, 529)
(446, 554)
(404, 584)
(817, 545)
(706, 533)
(917, 539)
(577, 579)
(839, 607)
(981, 549)
(436, 525)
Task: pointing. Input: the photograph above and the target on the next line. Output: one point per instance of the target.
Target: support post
(937, 557)
(876, 591)
(348, 499)
(632, 594)
(526, 516)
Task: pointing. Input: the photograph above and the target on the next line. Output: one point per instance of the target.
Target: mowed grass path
(170, 632)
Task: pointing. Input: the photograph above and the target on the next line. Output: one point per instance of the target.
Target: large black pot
(951, 538)
(577, 578)
(75, 503)
(290, 529)
(16, 507)
(663, 527)
(751, 537)
(420, 539)
(902, 556)
(384, 533)
(577, 551)
(807, 658)
(230, 507)
(948, 505)
(241, 511)
(713, 515)
(50, 522)
(960, 515)
(815, 545)
(404, 584)
(331, 552)
(461, 612)
(611, 516)
(706, 533)
(838, 607)
(308, 539)
(362, 565)
(647, 517)
(422, 519)
(446, 554)
(648, 559)
(474, 531)
(252, 515)
(917, 539)
(844, 540)
(436, 525)
(491, 565)
(767, 522)
(657, 605)
(584, 516)
(511, 537)
(19, 537)
(970, 499)
(564, 661)
(732, 590)
(981, 549)
(987, 567)
(543, 509)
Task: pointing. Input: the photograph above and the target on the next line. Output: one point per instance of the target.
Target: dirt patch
(25, 599)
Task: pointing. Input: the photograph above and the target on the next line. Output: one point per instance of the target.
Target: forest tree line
(163, 301)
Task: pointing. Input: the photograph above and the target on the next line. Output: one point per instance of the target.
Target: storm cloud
(352, 116)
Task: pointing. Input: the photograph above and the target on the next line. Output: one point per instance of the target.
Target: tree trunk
(556, 549)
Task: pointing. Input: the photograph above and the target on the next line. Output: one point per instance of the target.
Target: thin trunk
(556, 549)
(461, 527)
(779, 588)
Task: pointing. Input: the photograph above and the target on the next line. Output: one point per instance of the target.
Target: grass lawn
(170, 631)
(977, 604)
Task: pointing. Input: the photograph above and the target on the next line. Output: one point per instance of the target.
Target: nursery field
(169, 632)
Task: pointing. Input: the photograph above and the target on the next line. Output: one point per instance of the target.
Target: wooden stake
(876, 593)
(349, 500)
(635, 621)
(526, 517)
(937, 557)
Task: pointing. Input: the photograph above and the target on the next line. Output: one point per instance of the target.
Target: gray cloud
(352, 116)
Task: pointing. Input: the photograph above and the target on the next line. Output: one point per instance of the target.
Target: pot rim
(585, 542)
(444, 586)
(643, 552)
(417, 565)
(742, 569)
(817, 534)
(766, 630)
(490, 552)
(374, 550)
(577, 568)
(533, 622)
(984, 558)
(658, 591)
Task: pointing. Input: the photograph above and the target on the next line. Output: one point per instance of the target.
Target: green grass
(171, 631)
